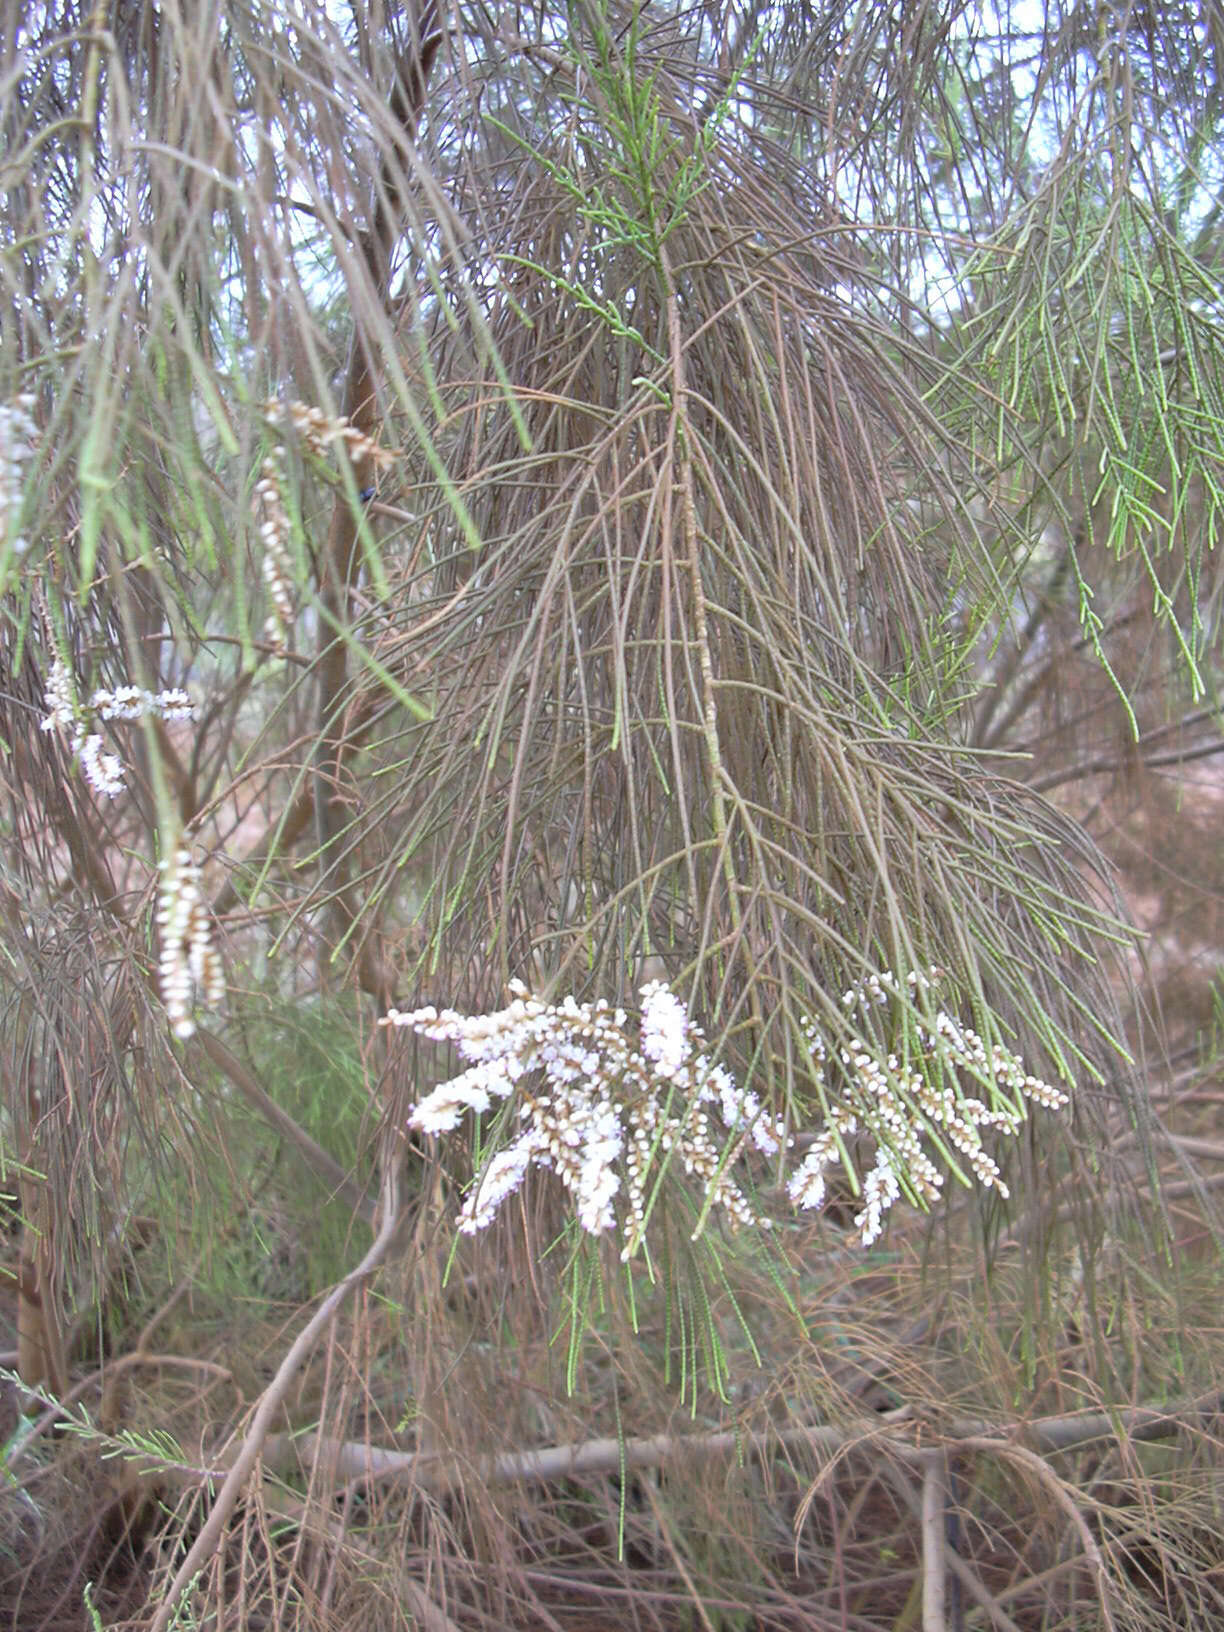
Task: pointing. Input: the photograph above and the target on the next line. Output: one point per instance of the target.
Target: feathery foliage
(616, 487)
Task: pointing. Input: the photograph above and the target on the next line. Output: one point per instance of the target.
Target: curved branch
(270, 1403)
(1062, 1496)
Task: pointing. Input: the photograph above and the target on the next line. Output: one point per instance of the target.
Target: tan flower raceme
(190, 966)
(18, 439)
(320, 432)
(606, 1103)
(274, 532)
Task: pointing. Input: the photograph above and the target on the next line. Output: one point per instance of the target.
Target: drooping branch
(359, 400)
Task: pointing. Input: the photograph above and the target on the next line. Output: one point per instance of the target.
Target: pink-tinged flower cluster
(102, 770)
(604, 1103)
(898, 1103)
(601, 1102)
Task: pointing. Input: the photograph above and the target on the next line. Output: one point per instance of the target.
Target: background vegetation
(718, 493)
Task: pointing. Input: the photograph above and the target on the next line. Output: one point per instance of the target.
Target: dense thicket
(586, 496)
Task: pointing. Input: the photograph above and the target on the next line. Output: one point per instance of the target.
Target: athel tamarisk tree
(578, 587)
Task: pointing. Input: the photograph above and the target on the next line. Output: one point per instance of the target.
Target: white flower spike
(103, 771)
(603, 1108)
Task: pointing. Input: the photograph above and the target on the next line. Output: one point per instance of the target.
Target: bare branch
(437, 1472)
(271, 1401)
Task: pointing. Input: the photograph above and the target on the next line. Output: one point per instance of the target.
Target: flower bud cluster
(18, 437)
(103, 771)
(605, 1105)
(601, 1108)
(190, 965)
(274, 533)
(899, 1103)
(319, 432)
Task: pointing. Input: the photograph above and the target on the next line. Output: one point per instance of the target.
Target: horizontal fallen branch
(439, 1472)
